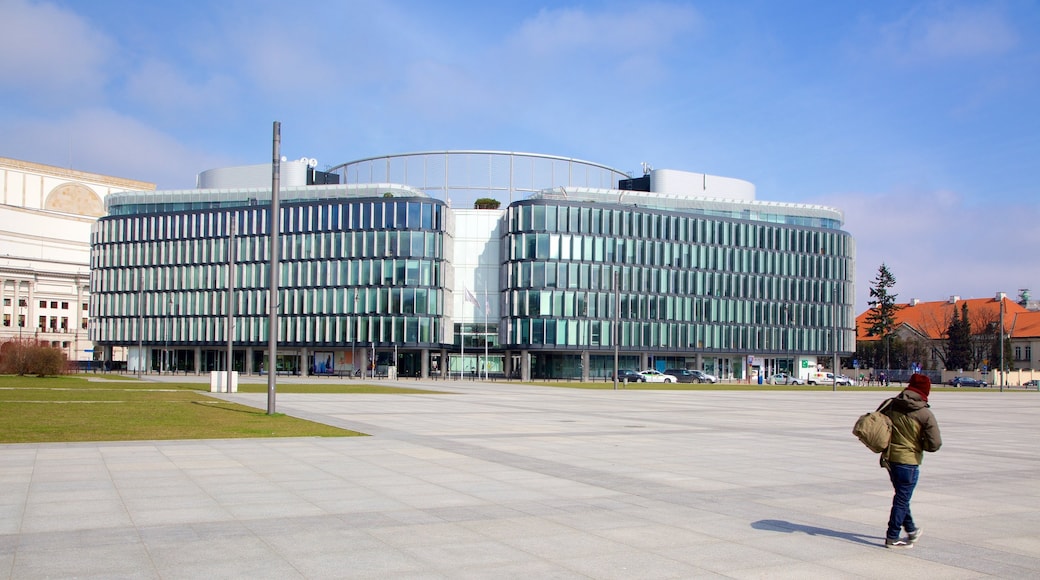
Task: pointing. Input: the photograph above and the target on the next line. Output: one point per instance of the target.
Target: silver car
(786, 379)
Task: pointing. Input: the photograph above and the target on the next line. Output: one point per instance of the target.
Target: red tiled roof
(1025, 324)
(932, 319)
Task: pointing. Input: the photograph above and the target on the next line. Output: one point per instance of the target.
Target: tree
(881, 320)
(958, 341)
(995, 355)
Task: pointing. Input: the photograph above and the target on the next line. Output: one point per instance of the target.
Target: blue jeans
(904, 480)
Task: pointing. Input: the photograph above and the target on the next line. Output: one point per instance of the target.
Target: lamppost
(357, 331)
(834, 363)
(140, 322)
(168, 359)
(617, 321)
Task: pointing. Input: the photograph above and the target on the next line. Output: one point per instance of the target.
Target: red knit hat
(921, 385)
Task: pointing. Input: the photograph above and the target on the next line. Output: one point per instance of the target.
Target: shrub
(486, 203)
(28, 357)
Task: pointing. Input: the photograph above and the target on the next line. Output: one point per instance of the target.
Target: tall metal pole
(357, 332)
(272, 316)
(1000, 344)
(462, 344)
(834, 363)
(140, 322)
(485, 334)
(617, 321)
(167, 359)
(231, 299)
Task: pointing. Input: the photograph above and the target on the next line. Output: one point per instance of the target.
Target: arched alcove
(75, 198)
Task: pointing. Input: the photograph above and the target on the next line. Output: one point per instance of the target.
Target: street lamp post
(140, 323)
(617, 320)
(231, 301)
(165, 364)
(834, 363)
(357, 332)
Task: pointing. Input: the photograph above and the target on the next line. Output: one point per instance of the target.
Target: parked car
(786, 379)
(845, 380)
(966, 382)
(1032, 383)
(652, 376)
(630, 376)
(683, 375)
(704, 377)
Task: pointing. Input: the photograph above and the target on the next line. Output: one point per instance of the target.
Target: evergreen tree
(958, 341)
(881, 320)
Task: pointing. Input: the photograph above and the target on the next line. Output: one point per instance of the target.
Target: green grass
(72, 408)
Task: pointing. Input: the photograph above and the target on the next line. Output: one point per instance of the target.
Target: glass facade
(351, 272)
(672, 282)
(569, 277)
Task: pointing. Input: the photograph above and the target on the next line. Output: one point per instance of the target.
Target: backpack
(874, 429)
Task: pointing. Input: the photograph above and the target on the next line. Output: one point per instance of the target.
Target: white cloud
(935, 33)
(49, 53)
(105, 142)
(647, 28)
(937, 245)
(166, 89)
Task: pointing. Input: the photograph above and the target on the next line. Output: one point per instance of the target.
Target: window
(54, 303)
(64, 305)
(43, 304)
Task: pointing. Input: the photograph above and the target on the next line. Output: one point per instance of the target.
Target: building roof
(1025, 325)
(932, 319)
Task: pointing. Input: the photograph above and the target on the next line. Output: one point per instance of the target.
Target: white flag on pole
(471, 298)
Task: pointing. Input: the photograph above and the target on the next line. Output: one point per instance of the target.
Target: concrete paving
(507, 481)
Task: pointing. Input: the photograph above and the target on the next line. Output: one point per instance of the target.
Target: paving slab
(500, 480)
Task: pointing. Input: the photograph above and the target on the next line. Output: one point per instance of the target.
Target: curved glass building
(585, 269)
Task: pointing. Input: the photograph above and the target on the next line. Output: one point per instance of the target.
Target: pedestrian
(914, 431)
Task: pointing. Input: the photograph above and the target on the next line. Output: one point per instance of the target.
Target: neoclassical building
(584, 268)
(46, 213)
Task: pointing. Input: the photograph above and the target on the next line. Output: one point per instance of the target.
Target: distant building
(927, 323)
(381, 271)
(45, 217)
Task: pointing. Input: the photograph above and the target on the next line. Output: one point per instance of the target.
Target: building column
(424, 363)
(444, 373)
(525, 366)
(198, 360)
(584, 366)
(305, 367)
(644, 361)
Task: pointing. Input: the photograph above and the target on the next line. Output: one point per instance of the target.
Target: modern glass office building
(586, 268)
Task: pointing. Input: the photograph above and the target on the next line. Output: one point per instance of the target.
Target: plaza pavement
(508, 481)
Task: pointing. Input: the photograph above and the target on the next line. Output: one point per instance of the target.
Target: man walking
(914, 431)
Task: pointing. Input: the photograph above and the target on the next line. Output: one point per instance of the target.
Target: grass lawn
(71, 408)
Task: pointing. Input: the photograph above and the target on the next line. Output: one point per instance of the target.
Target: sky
(919, 120)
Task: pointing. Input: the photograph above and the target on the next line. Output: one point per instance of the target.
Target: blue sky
(919, 120)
